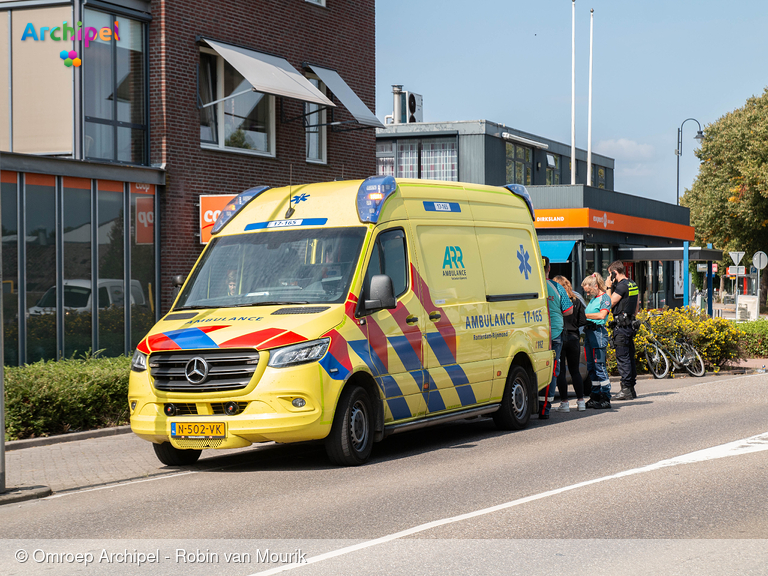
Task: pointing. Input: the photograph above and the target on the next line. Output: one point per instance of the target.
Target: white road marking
(745, 446)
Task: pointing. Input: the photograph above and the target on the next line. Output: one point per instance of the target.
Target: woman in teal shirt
(596, 344)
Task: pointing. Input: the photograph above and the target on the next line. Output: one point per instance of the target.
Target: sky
(655, 64)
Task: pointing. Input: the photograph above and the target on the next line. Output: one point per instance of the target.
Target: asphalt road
(581, 493)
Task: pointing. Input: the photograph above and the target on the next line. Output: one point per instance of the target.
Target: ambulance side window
(389, 257)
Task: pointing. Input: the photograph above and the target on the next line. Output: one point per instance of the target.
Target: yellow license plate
(198, 430)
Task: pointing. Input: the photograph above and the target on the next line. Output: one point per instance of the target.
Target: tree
(729, 198)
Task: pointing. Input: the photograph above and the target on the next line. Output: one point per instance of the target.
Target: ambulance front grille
(227, 370)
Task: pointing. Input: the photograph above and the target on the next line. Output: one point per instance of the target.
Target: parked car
(77, 296)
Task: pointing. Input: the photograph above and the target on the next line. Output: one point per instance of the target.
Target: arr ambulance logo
(453, 263)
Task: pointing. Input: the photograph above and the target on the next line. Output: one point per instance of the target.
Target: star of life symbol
(525, 267)
(296, 199)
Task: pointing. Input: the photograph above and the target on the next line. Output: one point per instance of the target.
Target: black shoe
(594, 400)
(543, 416)
(625, 394)
(604, 403)
(634, 394)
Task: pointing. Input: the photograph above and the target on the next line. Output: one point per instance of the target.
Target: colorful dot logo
(70, 58)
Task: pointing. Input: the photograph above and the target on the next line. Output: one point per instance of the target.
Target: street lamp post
(679, 152)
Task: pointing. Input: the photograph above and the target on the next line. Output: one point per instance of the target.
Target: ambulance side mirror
(382, 294)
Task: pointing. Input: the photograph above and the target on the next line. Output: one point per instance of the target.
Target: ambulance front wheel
(172, 456)
(515, 410)
(351, 438)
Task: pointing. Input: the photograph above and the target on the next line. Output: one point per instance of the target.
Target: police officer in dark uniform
(624, 296)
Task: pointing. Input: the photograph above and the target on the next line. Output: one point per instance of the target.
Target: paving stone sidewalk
(87, 463)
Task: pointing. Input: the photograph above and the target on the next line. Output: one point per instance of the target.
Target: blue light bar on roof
(238, 203)
(519, 190)
(372, 194)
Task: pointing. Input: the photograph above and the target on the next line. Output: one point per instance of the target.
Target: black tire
(516, 403)
(351, 439)
(694, 362)
(171, 456)
(658, 363)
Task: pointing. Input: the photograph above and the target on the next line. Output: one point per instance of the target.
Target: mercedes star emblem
(196, 370)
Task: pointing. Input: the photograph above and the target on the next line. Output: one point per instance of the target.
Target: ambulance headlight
(298, 353)
(139, 362)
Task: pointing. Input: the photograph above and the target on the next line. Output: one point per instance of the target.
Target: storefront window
(8, 184)
(142, 261)
(114, 76)
(40, 199)
(111, 250)
(77, 266)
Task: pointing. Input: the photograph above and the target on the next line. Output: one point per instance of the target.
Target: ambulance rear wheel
(516, 403)
(171, 456)
(351, 439)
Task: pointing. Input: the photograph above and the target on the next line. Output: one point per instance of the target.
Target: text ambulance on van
(349, 311)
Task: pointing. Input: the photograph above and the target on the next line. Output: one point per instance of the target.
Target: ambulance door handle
(435, 316)
(412, 319)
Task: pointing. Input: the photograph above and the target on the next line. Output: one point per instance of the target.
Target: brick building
(104, 157)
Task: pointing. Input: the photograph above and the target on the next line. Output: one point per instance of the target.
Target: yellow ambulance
(348, 311)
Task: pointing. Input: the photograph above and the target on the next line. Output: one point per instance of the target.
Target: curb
(48, 440)
(23, 493)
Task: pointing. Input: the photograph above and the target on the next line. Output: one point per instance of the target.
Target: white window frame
(272, 139)
(318, 118)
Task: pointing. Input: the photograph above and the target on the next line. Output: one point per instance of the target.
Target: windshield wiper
(192, 308)
(271, 303)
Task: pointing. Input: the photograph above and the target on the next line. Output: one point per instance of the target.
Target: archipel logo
(65, 33)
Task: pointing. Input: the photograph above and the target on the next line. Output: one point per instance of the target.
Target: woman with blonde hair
(597, 340)
(569, 356)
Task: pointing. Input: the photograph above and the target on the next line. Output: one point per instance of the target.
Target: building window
(518, 164)
(439, 159)
(407, 159)
(114, 89)
(385, 158)
(241, 122)
(598, 178)
(428, 159)
(314, 122)
(553, 169)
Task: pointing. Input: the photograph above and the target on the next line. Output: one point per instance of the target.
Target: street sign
(736, 257)
(703, 267)
(760, 260)
(737, 270)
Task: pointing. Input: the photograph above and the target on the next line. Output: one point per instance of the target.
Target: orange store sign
(597, 219)
(211, 206)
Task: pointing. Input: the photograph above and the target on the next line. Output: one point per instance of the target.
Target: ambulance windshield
(296, 266)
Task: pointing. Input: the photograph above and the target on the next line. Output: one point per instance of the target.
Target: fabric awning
(558, 251)
(351, 101)
(269, 74)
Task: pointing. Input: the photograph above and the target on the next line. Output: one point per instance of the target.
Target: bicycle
(682, 355)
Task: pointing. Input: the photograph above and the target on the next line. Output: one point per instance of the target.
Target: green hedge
(755, 338)
(50, 397)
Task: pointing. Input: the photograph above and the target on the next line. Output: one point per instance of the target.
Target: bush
(50, 397)
(755, 338)
(717, 340)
